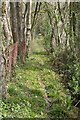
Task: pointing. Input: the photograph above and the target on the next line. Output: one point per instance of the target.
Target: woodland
(40, 60)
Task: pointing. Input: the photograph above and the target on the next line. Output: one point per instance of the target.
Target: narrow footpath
(36, 90)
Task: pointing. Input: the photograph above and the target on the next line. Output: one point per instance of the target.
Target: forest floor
(36, 91)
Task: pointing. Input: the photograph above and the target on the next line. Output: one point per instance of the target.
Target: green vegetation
(36, 90)
(40, 60)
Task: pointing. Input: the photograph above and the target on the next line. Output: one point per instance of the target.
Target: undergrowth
(33, 84)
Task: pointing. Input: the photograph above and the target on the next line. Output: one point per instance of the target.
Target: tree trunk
(3, 57)
(51, 41)
(19, 20)
(28, 22)
(6, 23)
(14, 25)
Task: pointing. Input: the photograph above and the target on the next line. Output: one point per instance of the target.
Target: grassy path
(36, 91)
